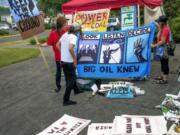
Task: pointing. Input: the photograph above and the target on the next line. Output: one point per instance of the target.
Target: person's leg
(98, 83)
(162, 67)
(69, 84)
(58, 76)
(73, 80)
(165, 69)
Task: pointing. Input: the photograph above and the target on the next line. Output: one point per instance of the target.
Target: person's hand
(74, 63)
(152, 46)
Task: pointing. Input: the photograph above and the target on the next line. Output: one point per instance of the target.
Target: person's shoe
(78, 92)
(57, 89)
(161, 82)
(70, 102)
(158, 78)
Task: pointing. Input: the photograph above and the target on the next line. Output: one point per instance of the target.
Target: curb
(13, 42)
(9, 36)
(14, 35)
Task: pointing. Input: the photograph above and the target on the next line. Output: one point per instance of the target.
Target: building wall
(6, 18)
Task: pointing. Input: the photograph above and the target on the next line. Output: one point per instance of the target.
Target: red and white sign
(66, 125)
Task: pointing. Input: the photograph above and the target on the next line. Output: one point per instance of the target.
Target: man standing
(61, 28)
(69, 61)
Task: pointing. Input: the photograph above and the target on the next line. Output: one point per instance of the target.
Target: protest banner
(128, 17)
(27, 17)
(96, 20)
(66, 125)
(139, 125)
(100, 129)
(118, 54)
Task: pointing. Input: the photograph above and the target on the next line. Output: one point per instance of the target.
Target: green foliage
(41, 40)
(175, 27)
(32, 41)
(171, 8)
(3, 32)
(14, 55)
(47, 26)
(172, 11)
(4, 9)
(51, 7)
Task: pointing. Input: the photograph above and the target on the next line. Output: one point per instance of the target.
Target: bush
(41, 40)
(32, 41)
(3, 32)
(175, 27)
(47, 26)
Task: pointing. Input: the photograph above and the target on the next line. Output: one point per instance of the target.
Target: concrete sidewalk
(28, 103)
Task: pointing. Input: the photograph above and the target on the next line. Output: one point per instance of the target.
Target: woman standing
(161, 51)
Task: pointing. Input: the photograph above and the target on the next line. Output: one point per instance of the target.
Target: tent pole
(138, 15)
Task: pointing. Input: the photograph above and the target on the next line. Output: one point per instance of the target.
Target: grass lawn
(14, 55)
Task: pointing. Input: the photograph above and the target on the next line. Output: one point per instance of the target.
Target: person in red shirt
(61, 28)
(162, 43)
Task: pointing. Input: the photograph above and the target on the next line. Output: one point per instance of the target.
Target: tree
(171, 8)
(172, 11)
(51, 7)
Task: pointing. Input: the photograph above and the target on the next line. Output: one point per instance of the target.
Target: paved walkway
(28, 103)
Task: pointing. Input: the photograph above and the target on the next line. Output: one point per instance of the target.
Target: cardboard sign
(27, 17)
(100, 129)
(117, 54)
(31, 26)
(66, 125)
(128, 17)
(139, 125)
(120, 92)
(96, 20)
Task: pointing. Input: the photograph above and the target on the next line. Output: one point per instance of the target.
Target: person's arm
(58, 45)
(163, 41)
(71, 50)
(163, 38)
(50, 39)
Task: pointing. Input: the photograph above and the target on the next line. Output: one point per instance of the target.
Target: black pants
(58, 74)
(70, 77)
(165, 66)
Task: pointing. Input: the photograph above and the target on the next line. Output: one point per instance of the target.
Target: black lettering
(86, 36)
(30, 23)
(102, 69)
(89, 68)
(12, 4)
(106, 69)
(113, 35)
(148, 129)
(121, 69)
(139, 31)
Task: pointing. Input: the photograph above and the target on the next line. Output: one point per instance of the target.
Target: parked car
(14, 26)
(4, 26)
(113, 24)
